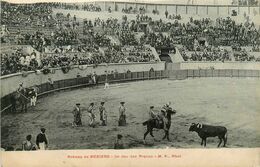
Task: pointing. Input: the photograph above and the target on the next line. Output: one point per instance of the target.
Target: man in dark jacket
(77, 115)
(103, 114)
(41, 140)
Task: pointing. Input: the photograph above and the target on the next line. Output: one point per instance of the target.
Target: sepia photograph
(130, 74)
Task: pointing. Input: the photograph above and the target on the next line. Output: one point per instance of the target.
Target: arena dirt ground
(230, 102)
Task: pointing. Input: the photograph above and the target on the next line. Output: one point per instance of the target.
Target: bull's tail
(226, 135)
(145, 123)
(225, 139)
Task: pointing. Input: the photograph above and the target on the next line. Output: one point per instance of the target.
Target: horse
(151, 124)
(22, 98)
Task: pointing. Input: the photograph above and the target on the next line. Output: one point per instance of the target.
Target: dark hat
(42, 130)
(151, 107)
(92, 103)
(77, 104)
(29, 137)
(102, 102)
(119, 136)
(122, 102)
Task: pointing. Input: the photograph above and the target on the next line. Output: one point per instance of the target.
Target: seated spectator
(119, 142)
(28, 145)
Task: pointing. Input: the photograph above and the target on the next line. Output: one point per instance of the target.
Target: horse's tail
(145, 123)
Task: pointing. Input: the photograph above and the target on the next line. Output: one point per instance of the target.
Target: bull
(205, 131)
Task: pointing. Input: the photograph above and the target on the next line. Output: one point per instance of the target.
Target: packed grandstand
(50, 35)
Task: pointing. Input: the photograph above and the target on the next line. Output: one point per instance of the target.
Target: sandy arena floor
(231, 102)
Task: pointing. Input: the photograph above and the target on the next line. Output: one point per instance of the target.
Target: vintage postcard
(130, 83)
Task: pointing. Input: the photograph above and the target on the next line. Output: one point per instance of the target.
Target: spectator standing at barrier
(122, 115)
(91, 115)
(77, 115)
(94, 78)
(103, 114)
(41, 140)
(51, 83)
(119, 142)
(28, 145)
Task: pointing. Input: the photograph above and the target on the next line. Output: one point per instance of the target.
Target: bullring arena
(203, 88)
(206, 100)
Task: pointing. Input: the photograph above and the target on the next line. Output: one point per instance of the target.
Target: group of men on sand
(158, 117)
(77, 113)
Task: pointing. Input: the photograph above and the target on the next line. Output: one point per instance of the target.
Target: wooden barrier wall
(59, 85)
(183, 74)
(10, 83)
(45, 88)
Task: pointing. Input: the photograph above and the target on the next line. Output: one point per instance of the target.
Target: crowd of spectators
(208, 56)
(66, 38)
(95, 38)
(18, 61)
(127, 37)
(91, 7)
(40, 40)
(197, 35)
(222, 32)
(138, 54)
(135, 10)
(119, 54)
(143, 18)
(243, 55)
(218, 54)
(66, 57)
(174, 17)
(72, 49)
(26, 15)
(156, 40)
(245, 2)
(86, 7)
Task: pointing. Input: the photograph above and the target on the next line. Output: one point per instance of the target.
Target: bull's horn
(199, 125)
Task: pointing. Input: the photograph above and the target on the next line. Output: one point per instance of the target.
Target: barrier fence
(78, 82)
